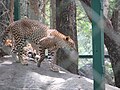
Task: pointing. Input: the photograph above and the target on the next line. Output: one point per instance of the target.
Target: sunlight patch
(44, 78)
(62, 72)
(7, 62)
(58, 80)
(89, 80)
(8, 56)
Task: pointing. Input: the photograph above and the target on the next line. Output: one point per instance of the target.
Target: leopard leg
(14, 51)
(52, 59)
(42, 56)
(19, 47)
(14, 55)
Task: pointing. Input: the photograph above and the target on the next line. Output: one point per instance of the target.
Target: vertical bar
(98, 44)
(16, 10)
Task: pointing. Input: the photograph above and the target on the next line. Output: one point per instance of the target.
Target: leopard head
(62, 40)
(70, 48)
(69, 42)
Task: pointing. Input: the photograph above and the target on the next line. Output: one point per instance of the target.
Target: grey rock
(14, 76)
(87, 71)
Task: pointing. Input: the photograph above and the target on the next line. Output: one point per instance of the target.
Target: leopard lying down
(40, 37)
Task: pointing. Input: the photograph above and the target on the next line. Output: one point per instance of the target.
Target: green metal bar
(16, 10)
(88, 56)
(91, 56)
(98, 44)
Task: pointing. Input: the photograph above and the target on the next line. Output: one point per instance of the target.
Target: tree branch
(11, 11)
(3, 5)
(3, 24)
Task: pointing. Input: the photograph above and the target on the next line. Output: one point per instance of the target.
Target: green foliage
(84, 32)
(112, 4)
(108, 67)
(47, 13)
(83, 61)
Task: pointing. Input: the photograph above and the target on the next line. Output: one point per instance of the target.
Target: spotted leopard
(40, 36)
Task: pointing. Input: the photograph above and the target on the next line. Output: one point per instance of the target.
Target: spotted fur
(40, 37)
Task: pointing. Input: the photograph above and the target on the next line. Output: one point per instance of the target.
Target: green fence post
(98, 44)
(16, 10)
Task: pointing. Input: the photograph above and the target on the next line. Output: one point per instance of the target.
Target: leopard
(41, 37)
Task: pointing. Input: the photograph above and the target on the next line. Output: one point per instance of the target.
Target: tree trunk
(33, 9)
(105, 8)
(23, 8)
(53, 13)
(66, 24)
(113, 48)
(112, 40)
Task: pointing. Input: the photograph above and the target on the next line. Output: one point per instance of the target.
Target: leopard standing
(40, 37)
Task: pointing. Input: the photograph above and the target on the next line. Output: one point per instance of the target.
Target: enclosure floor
(14, 76)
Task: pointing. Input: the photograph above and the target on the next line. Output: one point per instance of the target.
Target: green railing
(98, 44)
(91, 56)
(16, 10)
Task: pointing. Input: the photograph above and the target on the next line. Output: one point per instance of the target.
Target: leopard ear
(67, 38)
